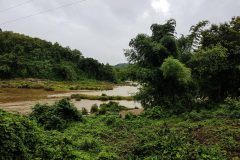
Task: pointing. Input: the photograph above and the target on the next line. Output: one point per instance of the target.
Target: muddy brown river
(22, 100)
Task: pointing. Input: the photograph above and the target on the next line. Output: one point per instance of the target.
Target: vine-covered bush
(19, 137)
(57, 116)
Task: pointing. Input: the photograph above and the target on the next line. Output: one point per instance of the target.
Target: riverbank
(103, 97)
(49, 85)
(22, 100)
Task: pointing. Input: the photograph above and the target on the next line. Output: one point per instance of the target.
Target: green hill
(121, 65)
(22, 56)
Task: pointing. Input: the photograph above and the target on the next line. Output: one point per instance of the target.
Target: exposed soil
(132, 111)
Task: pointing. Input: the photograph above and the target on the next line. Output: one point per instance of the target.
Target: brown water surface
(22, 100)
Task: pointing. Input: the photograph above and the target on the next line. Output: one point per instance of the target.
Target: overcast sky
(103, 28)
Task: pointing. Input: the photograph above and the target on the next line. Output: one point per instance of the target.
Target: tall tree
(164, 79)
(216, 63)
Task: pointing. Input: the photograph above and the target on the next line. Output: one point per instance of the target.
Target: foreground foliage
(200, 134)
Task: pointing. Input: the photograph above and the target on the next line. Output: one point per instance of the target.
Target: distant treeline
(22, 56)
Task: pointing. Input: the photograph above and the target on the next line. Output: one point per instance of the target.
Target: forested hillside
(23, 57)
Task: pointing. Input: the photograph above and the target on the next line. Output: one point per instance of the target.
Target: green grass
(101, 98)
(56, 85)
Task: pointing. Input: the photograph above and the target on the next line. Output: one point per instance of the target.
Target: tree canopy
(162, 76)
(24, 56)
(173, 70)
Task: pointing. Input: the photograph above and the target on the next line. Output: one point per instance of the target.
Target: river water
(22, 100)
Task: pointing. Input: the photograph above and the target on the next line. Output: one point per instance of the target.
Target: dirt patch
(205, 136)
(132, 111)
(8, 95)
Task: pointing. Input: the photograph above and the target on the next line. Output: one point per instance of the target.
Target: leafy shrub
(130, 116)
(112, 107)
(19, 137)
(102, 111)
(232, 103)
(67, 111)
(110, 120)
(89, 145)
(235, 114)
(194, 116)
(94, 108)
(230, 108)
(56, 116)
(54, 122)
(174, 68)
(107, 156)
(156, 113)
(101, 98)
(84, 111)
(57, 146)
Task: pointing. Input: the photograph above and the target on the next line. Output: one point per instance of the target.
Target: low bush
(19, 137)
(89, 145)
(156, 113)
(57, 116)
(103, 97)
(107, 156)
(112, 107)
(110, 120)
(94, 108)
(130, 116)
(102, 111)
(84, 111)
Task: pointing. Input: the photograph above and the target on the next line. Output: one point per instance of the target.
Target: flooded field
(22, 100)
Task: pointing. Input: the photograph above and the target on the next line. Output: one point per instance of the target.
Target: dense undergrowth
(200, 134)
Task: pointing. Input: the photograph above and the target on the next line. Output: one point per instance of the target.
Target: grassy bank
(101, 98)
(56, 85)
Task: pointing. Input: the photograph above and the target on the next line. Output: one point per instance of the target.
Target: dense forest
(175, 71)
(190, 88)
(23, 57)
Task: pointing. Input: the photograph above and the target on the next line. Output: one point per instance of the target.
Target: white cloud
(161, 6)
(145, 14)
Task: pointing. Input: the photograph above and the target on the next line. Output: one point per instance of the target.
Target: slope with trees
(25, 57)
